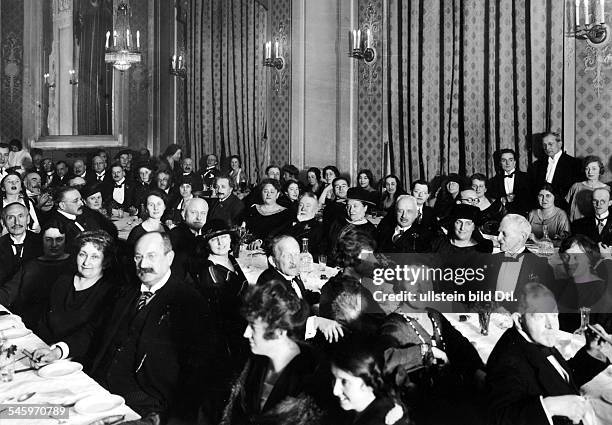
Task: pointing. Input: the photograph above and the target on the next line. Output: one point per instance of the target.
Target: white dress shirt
(552, 166)
(509, 182)
(119, 192)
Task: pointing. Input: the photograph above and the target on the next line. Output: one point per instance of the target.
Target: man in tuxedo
(305, 225)
(100, 175)
(4, 154)
(512, 186)
(33, 183)
(124, 157)
(598, 227)
(557, 168)
(210, 173)
(404, 234)
(184, 235)
(516, 266)
(120, 193)
(335, 210)
(284, 259)
(164, 182)
(19, 244)
(529, 382)
(227, 207)
(196, 180)
(152, 350)
(62, 175)
(79, 169)
(425, 213)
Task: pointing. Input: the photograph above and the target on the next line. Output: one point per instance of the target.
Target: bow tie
(601, 220)
(509, 176)
(547, 351)
(118, 186)
(508, 258)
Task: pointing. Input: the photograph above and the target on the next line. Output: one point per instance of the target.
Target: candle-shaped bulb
(114, 38)
(577, 13)
(127, 37)
(587, 15)
(369, 39)
(138, 40)
(602, 12)
(107, 39)
(350, 33)
(173, 61)
(358, 40)
(276, 49)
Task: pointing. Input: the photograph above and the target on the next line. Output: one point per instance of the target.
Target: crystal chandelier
(120, 48)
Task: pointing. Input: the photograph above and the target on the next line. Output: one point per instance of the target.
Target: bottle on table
(306, 260)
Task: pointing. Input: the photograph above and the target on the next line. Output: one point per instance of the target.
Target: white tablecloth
(57, 390)
(125, 225)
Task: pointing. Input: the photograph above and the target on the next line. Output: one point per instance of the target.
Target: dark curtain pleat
(95, 88)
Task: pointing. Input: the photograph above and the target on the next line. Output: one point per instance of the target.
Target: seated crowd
(166, 318)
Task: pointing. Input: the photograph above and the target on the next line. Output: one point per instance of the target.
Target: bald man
(598, 226)
(404, 234)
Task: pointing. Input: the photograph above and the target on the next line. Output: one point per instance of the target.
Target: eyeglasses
(470, 200)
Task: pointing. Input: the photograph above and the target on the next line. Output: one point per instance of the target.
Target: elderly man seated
(19, 244)
(529, 381)
(404, 234)
(598, 227)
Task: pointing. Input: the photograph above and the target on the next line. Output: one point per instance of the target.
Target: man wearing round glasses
(598, 227)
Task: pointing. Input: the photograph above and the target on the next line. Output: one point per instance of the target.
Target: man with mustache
(404, 234)
(529, 381)
(33, 183)
(151, 352)
(19, 244)
(68, 214)
(228, 207)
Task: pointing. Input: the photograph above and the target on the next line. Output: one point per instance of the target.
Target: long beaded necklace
(437, 333)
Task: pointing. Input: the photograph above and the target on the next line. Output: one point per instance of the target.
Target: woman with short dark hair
(156, 202)
(315, 185)
(263, 219)
(580, 195)
(549, 215)
(279, 374)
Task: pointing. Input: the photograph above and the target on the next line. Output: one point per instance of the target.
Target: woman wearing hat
(222, 283)
(357, 204)
(463, 237)
(93, 211)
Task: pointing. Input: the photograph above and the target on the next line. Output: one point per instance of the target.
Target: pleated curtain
(226, 92)
(468, 77)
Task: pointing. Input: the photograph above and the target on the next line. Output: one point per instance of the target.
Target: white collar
(101, 174)
(506, 173)
(20, 239)
(158, 285)
(300, 219)
(67, 215)
(120, 182)
(358, 222)
(604, 217)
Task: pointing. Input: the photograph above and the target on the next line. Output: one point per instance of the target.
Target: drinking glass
(585, 313)
(484, 317)
(322, 262)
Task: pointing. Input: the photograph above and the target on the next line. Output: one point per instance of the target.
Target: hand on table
(571, 406)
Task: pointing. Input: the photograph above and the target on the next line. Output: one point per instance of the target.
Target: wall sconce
(48, 81)
(361, 45)
(274, 58)
(595, 32)
(74, 80)
(177, 66)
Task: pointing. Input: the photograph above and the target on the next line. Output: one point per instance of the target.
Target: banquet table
(254, 262)
(125, 225)
(50, 391)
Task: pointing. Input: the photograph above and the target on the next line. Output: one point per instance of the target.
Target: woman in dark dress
(79, 302)
(392, 189)
(440, 371)
(262, 219)
(360, 387)
(491, 210)
(156, 206)
(447, 194)
(290, 198)
(315, 185)
(280, 373)
(92, 195)
(222, 284)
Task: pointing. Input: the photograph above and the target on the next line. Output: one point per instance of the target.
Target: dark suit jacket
(208, 176)
(567, 172)
(71, 229)
(533, 269)
(588, 227)
(524, 197)
(416, 239)
(230, 210)
(60, 181)
(92, 178)
(184, 243)
(128, 197)
(9, 263)
(270, 273)
(428, 219)
(196, 181)
(170, 343)
(311, 229)
(518, 373)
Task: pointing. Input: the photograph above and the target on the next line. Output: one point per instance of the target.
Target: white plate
(59, 369)
(10, 321)
(12, 333)
(98, 403)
